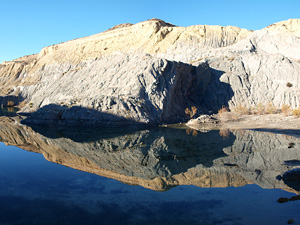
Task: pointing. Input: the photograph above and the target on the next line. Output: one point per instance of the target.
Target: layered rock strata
(151, 72)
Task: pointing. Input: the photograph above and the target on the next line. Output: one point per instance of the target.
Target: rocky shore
(275, 123)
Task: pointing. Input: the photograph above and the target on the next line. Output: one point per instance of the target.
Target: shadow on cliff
(217, 93)
(77, 123)
(292, 177)
(75, 116)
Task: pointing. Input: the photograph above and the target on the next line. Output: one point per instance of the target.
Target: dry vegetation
(242, 110)
(10, 109)
(270, 108)
(22, 104)
(286, 110)
(197, 60)
(10, 104)
(224, 133)
(192, 132)
(226, 115)
(260, 109)
(191, 112)
(296, 112)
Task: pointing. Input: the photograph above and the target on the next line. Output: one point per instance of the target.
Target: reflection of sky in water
(35, 191)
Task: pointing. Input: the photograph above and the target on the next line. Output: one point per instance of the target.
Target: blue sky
(28, 26)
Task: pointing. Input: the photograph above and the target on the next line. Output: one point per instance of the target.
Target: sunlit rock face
(151, 72)
(162, 158)
(119, 90)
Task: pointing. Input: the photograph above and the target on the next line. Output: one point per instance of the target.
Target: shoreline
(274, 123)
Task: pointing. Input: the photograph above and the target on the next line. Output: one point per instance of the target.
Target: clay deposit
(151, 72)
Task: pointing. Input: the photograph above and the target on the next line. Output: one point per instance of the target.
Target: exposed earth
(275, 123)
(151, 72)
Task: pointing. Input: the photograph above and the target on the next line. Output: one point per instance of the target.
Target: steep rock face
(255, 70)
(111, 76)
(119, 89)
(259, 78)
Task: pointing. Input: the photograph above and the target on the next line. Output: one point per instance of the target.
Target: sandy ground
(276, 123)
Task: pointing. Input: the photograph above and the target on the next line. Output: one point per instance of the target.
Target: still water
(152, 176)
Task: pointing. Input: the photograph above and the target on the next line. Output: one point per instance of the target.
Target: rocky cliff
(150, 72)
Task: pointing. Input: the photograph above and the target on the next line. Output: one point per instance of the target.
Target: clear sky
(29, 25)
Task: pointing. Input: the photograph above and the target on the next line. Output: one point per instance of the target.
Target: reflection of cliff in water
(161, 158)
(145, 154)
(8, 111)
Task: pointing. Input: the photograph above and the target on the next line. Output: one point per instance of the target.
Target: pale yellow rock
(291, 26)
(152, 36)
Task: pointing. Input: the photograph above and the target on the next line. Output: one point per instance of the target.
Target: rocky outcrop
(254, 70)
(151, 72)
(162, 158)
(118, 90)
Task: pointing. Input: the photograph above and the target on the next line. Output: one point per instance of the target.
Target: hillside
(150, 72)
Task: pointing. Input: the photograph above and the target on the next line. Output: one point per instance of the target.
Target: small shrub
(10, 104)
(187, 112)
(296, 112)
(288, 84)
(10, 109)
(22, 104)
(197, 60)
(223, 110)
(252, 110)
(188, 131)
(191, 112)
(291, 145)
(224, 133)
(270, 108)
(241, 110)
(230, 59)
(260, 109)
(30, 105)
(286, 109)
(195, 133)
(194, 110)
(225, 115)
